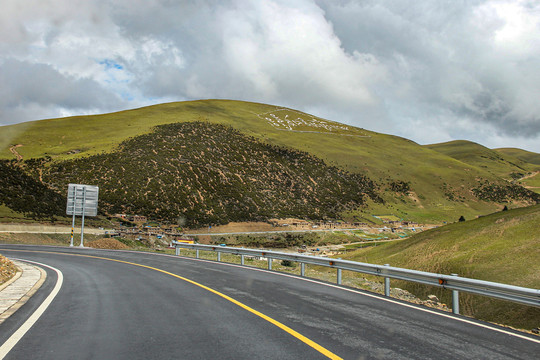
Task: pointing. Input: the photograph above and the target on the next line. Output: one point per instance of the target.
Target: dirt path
(529, 176)
(14, 152)
(533, 188)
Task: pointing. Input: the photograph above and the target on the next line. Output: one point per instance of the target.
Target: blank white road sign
(82, 196)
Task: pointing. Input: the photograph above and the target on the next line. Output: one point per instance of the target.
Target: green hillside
(531, 182)
(23, 194)
(408, 180)
(213, 174)
(502, 164)
(503, 247)
(78, 136)
(527, 156)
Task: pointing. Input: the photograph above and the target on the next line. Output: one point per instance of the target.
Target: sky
(430, 71)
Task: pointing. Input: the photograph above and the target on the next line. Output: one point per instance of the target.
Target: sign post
(82, 200)
(74, 194)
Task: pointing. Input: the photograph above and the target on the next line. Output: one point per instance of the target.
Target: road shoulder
(16, 292)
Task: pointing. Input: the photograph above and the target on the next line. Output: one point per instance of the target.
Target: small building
(138, 219)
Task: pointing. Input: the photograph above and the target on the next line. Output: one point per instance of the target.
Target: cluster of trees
(275, 241)
(503, 193)
(213, 174)
(400, 186)
(23, 193)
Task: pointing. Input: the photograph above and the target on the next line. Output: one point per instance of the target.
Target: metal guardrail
(526, 296)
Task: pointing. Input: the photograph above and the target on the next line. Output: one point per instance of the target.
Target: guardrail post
(197, 253)
(517, 294)
(242, 260)
(455, 299)
(387, 284)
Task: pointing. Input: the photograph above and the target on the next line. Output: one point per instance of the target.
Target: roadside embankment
(15, 292)
(45, 229)
(7, 270)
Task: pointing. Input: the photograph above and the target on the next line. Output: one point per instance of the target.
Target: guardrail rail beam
(521, 295)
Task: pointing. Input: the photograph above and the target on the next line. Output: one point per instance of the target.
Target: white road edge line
(17, 335)
(449, 316)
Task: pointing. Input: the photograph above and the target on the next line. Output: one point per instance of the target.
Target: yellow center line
(280, 325)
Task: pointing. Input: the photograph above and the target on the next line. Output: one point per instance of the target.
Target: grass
(364, 245)
(384, 158)
(387, 217)
(499, 163)
(349, 278)
(533, 183)
(503, 247)
(102, 133)
(44, 239)
(8, 215)
(528, 156)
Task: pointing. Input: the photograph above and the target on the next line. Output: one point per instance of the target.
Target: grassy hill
(527, 156)
(406, 180)
(503, 247)
(500, 163)
(532, 183)
(213, 174)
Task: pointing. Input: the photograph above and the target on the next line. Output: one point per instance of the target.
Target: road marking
(283, 327)
(375, 296)
(280, 325)
(17, 335)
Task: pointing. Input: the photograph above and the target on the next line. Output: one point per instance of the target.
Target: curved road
(129, 305)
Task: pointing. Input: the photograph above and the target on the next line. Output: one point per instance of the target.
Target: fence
(452, 282)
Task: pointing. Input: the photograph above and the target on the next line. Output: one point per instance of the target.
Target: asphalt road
(151, 306)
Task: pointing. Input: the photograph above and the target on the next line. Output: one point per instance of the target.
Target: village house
(138, 219)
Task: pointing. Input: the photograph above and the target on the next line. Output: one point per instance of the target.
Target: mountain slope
(26, 195)
(413, 181)
(213, 174)
(527, 156)
(498, 163)
(502, 247)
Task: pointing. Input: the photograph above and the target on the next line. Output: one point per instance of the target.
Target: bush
(288, 263)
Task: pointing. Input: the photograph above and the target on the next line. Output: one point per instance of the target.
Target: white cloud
(26, 89)
(424, 70)
(286, 52)
(448, 63)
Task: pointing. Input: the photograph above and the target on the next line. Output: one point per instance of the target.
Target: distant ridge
(500, 163)
(528, 156)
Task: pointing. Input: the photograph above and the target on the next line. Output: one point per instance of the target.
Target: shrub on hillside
(213, 174)
(22, 193)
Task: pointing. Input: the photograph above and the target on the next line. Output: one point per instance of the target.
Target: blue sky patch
(111, 64)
